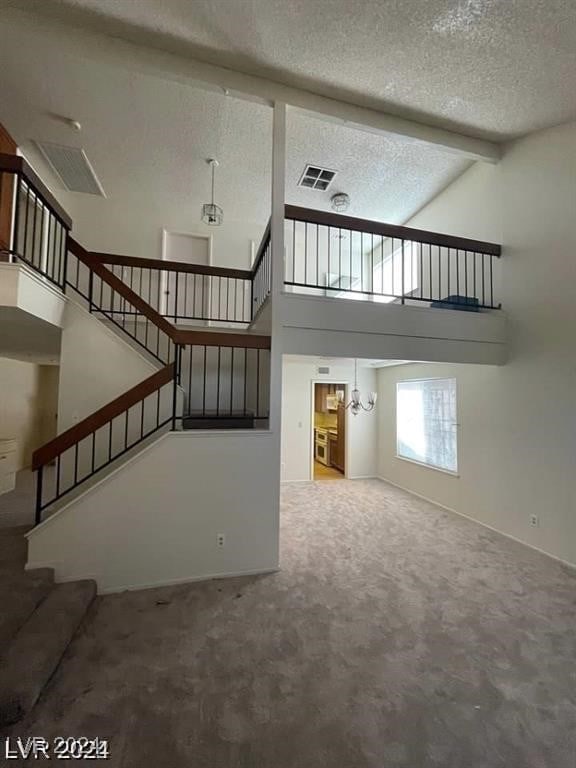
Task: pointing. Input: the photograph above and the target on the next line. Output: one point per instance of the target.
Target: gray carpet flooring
(395, 635)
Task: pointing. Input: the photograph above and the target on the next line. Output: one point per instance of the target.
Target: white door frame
(340, 380)
(164, 279)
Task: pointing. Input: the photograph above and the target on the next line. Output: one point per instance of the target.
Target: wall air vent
(73, 168)
(315, 177)
(323, 369)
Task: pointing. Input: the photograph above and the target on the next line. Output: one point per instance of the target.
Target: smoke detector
(340, 202)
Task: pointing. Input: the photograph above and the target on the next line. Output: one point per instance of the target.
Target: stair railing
(80, 452)
(105, 295)
(184, 293)
(39, 227)
(219, 374)
(223, 376)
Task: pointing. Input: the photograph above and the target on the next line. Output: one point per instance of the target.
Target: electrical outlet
(534, 521)
(220, 540)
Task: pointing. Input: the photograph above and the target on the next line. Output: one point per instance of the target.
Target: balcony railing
(39, 225)
(343, 257)
(186, 293)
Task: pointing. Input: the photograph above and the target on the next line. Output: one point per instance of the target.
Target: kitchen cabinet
(321, 392)
(7, 465)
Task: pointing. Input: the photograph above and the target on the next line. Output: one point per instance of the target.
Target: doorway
(193, 299)
(329, 431)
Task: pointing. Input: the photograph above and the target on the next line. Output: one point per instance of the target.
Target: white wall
(101, 224)
(96, 366)
(336, 327)
(125, 534)
(361, 430)
(28, 396)
(518, 422)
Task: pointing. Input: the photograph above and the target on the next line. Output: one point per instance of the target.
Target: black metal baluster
(430, 284)
(457, 276)
(245, 374)
(27, 210)
(231, 380)
(76, 464)
(294, 250)
(204, 387)
(317, 251)
(305, 253)
(218, 382)
(361, 261)
(257, 383)
(39, 483)
(371, 281)
(491, 282)
(403, 265)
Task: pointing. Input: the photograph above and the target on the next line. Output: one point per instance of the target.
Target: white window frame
(401, 457)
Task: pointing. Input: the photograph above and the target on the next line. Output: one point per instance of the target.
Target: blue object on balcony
(463, 303)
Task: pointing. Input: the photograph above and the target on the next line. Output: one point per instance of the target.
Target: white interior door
(186, 295)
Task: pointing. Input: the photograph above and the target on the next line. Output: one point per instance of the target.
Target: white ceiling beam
(190, 71)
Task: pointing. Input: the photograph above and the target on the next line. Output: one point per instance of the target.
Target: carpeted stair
(37, 622)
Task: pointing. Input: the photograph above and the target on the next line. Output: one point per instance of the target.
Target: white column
(277, 240)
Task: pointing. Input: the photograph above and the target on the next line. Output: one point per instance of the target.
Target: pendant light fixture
(212, 214)
(356, 405)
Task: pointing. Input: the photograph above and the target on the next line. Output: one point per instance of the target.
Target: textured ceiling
(492, 68)
(148, 138)
(387, 179)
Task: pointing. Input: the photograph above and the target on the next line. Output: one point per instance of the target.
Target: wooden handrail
(99, 418)
(217, 339)
(262, 248)
(18, 166)
(171, 266)
(117, 285)
(177, 335)
(337, 220)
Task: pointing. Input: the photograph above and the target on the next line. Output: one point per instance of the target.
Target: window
(387, 279)
(426, 428)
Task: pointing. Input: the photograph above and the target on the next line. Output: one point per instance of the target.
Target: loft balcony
(363, 288)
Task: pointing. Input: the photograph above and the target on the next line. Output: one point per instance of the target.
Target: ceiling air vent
(315, 177)
(73, 167)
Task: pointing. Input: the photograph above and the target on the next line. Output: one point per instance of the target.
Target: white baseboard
(478, 522)
(152, 584)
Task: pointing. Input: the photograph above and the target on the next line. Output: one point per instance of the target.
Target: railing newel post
(176, 375)
(39, 482)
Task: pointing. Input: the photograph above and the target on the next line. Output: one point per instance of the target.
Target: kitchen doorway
(329, 431)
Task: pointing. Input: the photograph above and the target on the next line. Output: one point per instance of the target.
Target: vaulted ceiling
(491, 68)
(148, 139)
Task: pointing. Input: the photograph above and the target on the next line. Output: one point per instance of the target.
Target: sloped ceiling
(492, 68)
(148, 139)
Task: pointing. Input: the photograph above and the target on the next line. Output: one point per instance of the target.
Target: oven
(322, 446)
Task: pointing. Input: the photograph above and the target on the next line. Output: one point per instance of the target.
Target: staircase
(207, 377)
(38, 620)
